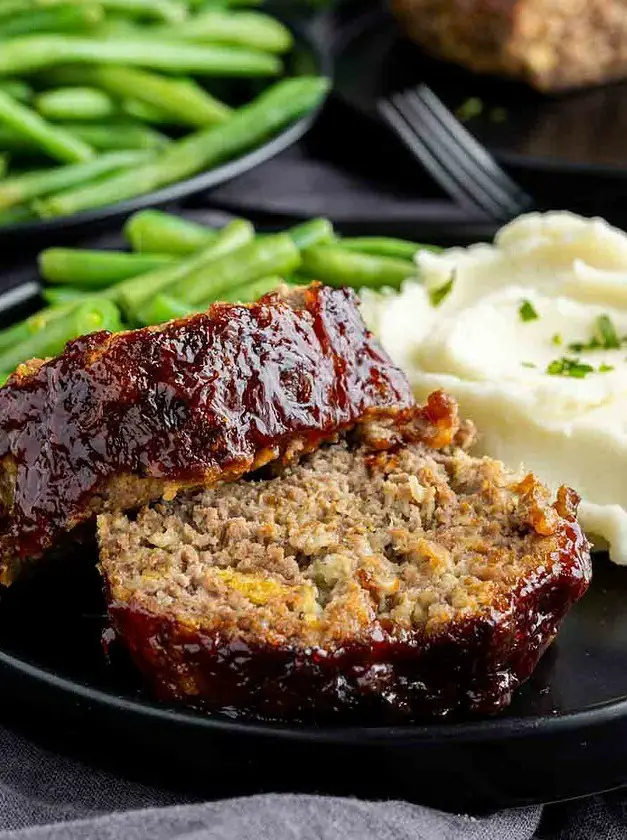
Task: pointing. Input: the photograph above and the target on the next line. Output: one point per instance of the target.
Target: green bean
(146, 113)
(22, 188)
(149, 230)
(4, 162)
(61, 295)
(75, 103)
(313, 232)
(89, 316)
(114, 136)
(185, 102)
(55, 141)
(245, 29)
(17, 89)
(337, 267)
(37, 52)
(281, 104)
(133, 294)
(117, 26)
(11, 141)
(152, 230)
(163, 308)
(9, 8)
(222, 4)
(386, 246)
(14, 334)
(171, 11)
(96, 269)
(25, 329)
(16, 216)
(62, 19)
(252, 291)
(159, 100)
(273, 255)
(122, 136)
(297, 279)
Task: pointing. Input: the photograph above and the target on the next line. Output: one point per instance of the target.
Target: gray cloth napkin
(46, 796)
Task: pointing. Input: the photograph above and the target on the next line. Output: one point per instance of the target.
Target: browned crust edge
(470, 667)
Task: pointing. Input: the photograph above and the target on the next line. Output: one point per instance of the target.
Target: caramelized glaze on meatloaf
(119, 419)
(552, 44)
(390, 574)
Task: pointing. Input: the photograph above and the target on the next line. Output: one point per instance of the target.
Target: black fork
(461, 165)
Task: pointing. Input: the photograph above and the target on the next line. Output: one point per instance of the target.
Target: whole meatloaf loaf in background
(552, 44)
(389, 575)
(120, 419)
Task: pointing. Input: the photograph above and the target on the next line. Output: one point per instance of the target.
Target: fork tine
(397, 121)
(465, 176)
(472, 146)
(484, 182)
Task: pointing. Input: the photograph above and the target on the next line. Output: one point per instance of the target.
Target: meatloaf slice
(390, 574)
(552, 44)
(119, 419)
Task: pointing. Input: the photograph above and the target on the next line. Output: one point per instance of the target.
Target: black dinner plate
(579, 132)
(563, 735)
(310, 55)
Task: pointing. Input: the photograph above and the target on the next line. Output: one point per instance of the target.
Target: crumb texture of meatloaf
(390, 574)
(552, 44)
(120, 419)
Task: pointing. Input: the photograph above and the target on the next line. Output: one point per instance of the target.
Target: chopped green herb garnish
(569, 367)
(606, 368)
(605, 333)
(472, 107)
(557, 340)
(528, 364)
(527, 311)
(436, 296)
(604, 337)
(579, 347)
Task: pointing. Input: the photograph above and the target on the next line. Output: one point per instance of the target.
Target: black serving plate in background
(309, 56)
(580, 133)
(562, 737)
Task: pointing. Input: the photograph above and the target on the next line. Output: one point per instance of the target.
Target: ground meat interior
(410, 537)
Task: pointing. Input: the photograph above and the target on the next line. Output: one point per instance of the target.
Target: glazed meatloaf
(389, 574)
(552, 44)
(119, 419)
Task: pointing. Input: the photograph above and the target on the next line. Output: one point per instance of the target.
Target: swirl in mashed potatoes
(530, 335)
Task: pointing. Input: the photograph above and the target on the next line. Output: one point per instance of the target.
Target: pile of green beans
(106, 100)
(175, 267)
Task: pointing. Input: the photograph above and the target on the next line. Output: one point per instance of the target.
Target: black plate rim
(206, 180)
(501, 729)
(371, 17)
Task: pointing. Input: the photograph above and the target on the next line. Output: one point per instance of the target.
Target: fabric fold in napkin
(288, 817)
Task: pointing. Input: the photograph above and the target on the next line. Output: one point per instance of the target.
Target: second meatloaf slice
(120, 419)
(552, 44)
(390, 574)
